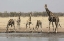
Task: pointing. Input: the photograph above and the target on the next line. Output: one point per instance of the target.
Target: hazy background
(31, 5)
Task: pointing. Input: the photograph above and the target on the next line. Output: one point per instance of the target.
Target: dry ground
(45, 24)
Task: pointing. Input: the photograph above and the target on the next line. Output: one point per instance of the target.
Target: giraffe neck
(50, 14)
(30, 17)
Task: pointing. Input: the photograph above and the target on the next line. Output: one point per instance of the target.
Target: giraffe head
(30, 13)
(45, 5)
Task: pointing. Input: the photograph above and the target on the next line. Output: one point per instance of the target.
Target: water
(30, 39)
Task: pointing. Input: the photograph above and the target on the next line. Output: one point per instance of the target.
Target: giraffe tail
(59, 25)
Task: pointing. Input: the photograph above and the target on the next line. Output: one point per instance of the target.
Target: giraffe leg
(41, 25)
(53, 26)
(7, 28)
(56, 23)
(38, 26)
(49, 26)
(14, 29)
(19, 26)
(57, 27)
(29, 25)
(26, 25)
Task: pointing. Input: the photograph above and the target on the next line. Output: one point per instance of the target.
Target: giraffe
(29, 20)
(52, 18)
(18, 22)
(10, 23)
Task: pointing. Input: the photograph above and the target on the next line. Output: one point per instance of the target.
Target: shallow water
(30, 39)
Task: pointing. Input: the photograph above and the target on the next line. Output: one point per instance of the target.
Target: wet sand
(58, 35)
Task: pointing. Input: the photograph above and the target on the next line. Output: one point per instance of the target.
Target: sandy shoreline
(45, 24)
(58, 35)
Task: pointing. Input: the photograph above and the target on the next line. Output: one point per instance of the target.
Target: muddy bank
(43, 34)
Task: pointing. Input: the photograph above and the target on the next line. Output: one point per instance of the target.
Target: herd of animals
(52, 18)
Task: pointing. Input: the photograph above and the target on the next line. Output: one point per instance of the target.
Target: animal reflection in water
(10, 23)
(38, 24)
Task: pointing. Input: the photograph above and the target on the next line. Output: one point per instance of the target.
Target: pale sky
(31, 5)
